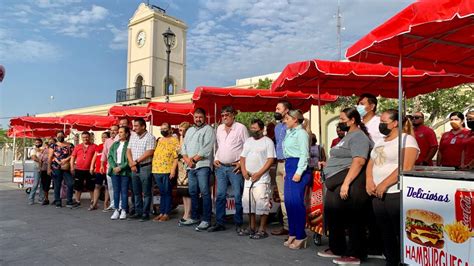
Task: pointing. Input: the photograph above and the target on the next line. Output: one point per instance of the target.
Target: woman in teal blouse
(296, 151)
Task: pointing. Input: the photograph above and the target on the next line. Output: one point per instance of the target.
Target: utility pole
(339, 29)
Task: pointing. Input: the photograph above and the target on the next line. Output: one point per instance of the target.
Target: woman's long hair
(127, 132)
(352, 112)
(407, 126)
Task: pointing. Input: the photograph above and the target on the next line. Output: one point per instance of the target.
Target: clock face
(141, 37)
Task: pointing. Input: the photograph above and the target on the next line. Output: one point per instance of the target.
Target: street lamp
(169, 39)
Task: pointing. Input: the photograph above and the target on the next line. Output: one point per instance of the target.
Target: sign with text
(438, 222)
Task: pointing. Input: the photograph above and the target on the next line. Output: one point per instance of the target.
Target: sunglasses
(416, 117)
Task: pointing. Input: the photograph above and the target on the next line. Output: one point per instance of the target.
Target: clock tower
(146, 68)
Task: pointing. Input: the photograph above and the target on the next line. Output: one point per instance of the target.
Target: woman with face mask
(382, 178)
(468, 152)
(164, 167)
(346, 200)
(451, 144)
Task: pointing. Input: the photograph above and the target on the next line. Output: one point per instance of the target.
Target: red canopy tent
(351, 78)
(253, 100)
(173, 113)
(89, 122)
(25, 132)
(129, 112)
(430, 34)
(33, 122)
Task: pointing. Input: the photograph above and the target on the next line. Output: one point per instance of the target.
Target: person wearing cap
(297, 177)
(426, 139)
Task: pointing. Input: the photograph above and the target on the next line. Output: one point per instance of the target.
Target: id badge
(453, 141)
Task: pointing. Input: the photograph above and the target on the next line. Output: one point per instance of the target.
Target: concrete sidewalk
(45, 235)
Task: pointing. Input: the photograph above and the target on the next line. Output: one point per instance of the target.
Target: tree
(437, 105)
(264, 84)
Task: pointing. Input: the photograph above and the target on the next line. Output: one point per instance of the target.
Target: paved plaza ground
(44, 235)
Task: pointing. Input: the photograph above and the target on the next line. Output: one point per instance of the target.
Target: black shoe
(134, 217)
(145, 218)
(216, 228)
(76, 205)
(45, 202)
(131, 212)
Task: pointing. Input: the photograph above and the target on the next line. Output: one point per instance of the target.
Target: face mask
(60, 139)
(383, 128)
(165, 133)
(361, 110)
(470, 124)
(343, 126)
(256, 134)
(278, 116)
(455, 125)
(38, 145)
(341, 136)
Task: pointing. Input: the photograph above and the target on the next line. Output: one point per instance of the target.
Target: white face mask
(361, 110)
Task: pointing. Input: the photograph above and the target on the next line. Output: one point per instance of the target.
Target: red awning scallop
(129, 112)
(172, 113)
(89, 122)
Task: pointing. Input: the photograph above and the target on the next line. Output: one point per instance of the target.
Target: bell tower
(147, 58)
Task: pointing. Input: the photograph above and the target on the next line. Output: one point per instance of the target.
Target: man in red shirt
(81, 161)
(426, 139)
(340, 135)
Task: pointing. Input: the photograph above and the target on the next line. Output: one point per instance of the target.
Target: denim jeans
(164, 183)
(58, 176)
(141, 183)
(120, 184)
(198, 180)
(224, 176)
(37, 183)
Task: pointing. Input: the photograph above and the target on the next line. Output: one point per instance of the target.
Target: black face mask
(383, 128)
(343, 126)
(470, 124)
(165, 133)
(278, 116)
(38, 145)
(341, 136)
(256, 134)
(60, 139)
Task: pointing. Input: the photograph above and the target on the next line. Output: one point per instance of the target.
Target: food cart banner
(438, 221)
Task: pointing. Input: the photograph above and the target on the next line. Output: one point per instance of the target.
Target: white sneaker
(203, 226)
(123, 215)
(116, 215)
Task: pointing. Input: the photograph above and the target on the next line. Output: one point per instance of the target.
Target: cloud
(120, 38)
(12, 50)
(54, 3)
(78, 23)
(237, 39)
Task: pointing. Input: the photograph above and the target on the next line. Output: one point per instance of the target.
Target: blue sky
(76, 51)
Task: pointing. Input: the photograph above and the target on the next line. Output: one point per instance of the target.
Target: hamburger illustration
(425, 228)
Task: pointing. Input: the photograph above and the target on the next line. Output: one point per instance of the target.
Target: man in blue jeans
(197, 154)
(139, 153)
(231, 137)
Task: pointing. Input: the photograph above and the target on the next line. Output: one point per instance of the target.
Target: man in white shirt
(139, 154)
(367, 108)
(256, 159)
(231, 136)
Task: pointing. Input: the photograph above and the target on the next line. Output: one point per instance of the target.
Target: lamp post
(169, 39)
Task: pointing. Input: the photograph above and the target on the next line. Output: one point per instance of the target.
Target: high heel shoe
(288, 242)
(299, 244)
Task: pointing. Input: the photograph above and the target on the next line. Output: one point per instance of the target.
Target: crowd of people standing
(362, 200)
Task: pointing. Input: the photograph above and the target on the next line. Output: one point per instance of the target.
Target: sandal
(259, 235)
(92, 208)
(246, 232)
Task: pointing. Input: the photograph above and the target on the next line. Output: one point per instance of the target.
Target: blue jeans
(120, 185)
(294, 199)
(58, 176)
(225, 175)
(198, 181)
(164, 183)
(37, 183)
(141, 183)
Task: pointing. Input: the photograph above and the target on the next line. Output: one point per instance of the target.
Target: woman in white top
(382, 178)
